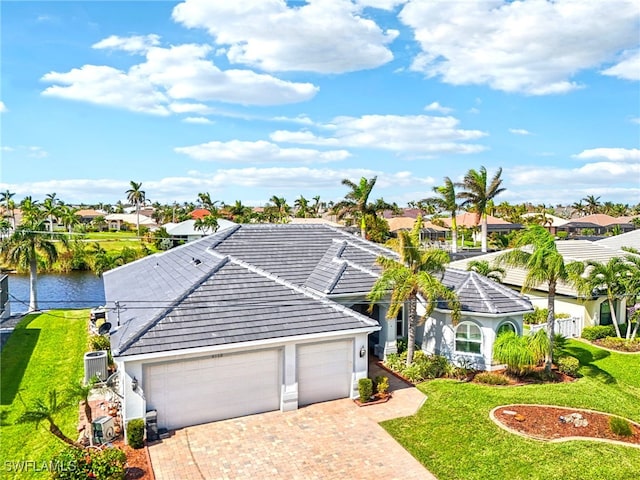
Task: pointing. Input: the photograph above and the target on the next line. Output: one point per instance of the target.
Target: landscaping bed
(554, 423)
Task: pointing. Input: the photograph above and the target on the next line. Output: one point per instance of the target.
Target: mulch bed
(138, 462)
(532, 378)
(543, 422)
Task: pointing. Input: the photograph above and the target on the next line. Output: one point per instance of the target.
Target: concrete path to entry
(331, 440)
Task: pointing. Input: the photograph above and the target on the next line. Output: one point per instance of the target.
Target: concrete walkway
(330, 440)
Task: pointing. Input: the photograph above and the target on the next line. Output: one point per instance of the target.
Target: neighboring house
(5, 310)
(429, 232)
(471, 220)
(117, 220)
(599, 223)
(87, 215)
(263, 317)
(187, 232)
(199, 213)
(552, 222)
(592, 311)
(314, 221)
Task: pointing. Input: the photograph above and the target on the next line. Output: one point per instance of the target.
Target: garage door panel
(203, 390)
(324, 371)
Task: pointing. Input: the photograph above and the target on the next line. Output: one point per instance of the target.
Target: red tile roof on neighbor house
(602, 220)
(199, 213)
(471, 220)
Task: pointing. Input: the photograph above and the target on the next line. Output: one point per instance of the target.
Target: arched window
(506, 327)
(468, 338)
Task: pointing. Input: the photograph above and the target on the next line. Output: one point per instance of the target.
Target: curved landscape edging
(492, 416)
(584, 340)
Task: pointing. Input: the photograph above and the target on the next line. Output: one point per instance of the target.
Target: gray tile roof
(257, 282)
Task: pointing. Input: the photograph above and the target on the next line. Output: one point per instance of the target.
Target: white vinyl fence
(568, 327)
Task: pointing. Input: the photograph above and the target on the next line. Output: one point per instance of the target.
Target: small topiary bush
(365, 389)
(597, 332)
(491, 378)
(620, 426)
(382, 384)
(135, 433)
(569, 365)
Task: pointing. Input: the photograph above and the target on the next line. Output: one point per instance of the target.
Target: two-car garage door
(212, 388)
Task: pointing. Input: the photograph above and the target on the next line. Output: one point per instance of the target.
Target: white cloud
(628, 68)
(611, 154)
(530, 46)
(237, 151)
(381, 4)
(325, 36)
(436, 107)
(3, 107)
(198, 120)
(133, 44)
(636, 120)
(302, 119)
(200, 108)
(29, 151)
(519, 131)
(180, 73)
(4, 148)
(413, 134)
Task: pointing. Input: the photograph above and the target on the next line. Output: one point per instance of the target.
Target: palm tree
(632, 287)
(206, 224)
(413, 277)
(355, 202)
(51, 208)
(478, 193)
(25, 246)
(484, 268)
(446, 201)
(82, 393)
(302, 207)
(31, 212)
(69, 217)
(579, 208)
(5, 197)
(136, 196)
(316, 206)
(278, 210)
(536, 252)
(605, 277)
(592, 204)
(41, 411)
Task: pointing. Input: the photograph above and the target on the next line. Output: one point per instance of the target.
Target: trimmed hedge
(135, 433)
(365, 389)
(597, 332)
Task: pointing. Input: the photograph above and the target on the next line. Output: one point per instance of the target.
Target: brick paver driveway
(331, 440)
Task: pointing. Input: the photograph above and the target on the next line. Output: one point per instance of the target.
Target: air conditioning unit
(95, 364)
(104, 430)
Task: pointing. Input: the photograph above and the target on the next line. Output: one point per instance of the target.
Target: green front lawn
(45, 351)
(453, 437)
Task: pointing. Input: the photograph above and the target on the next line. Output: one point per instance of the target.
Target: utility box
(95, 364)
(151, 422)
(104, 430)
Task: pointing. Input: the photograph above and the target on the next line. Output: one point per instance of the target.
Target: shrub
(491, 378)
(395, 362)
(135, 433)
(365, 389)
(569, 365)
(401, 345)
(76, 464)
(520, 354)
(620, 426)
(598, 332)
(539, 315)
(99, 342)
(562, 235)
(382, 384)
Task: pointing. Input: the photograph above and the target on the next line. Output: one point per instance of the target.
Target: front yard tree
(412, 277)
(608, 278)
(478, 194)
(537, 253)
(25, 246)
(136, 196)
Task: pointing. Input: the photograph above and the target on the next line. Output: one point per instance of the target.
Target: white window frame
(507, 322)
(466, 325)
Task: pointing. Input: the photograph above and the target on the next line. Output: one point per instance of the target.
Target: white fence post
(568, 327)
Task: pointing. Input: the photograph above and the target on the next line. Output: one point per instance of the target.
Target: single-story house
(599, 223)
(262, 317)
(471, 220)
(430, 232)
(116, 220)
(590, 311)
(552, 222)
(186, 231)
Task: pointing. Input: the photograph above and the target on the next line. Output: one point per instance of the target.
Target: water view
(70, 290)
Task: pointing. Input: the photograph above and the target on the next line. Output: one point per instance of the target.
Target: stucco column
(360, 363)
(289, 397)
(388, 336)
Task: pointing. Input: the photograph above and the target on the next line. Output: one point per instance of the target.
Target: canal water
(69, 290)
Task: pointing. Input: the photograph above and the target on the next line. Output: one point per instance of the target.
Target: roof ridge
(299, 289)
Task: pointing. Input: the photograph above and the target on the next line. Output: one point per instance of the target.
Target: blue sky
(254, 98)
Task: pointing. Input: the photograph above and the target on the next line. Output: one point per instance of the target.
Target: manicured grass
(453, 437)
(44, 352)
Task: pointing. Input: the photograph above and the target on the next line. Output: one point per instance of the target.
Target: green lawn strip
(54, 360)
(454, 438)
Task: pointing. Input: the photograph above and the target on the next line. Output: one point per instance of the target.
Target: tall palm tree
(206, 224)
(45, 411)
(412, 277)
(6, 199)
(537, 253)
(592, 204)
(136, 196)
(31, 212)
(69, 217)
(477, 193)
(25, 246)
(632, 288)
(579, 208)
(316, 206)
(605, 277)
(51, 208)
(446, 201)
(355, 203)
(303, 210)
(279, 209)
(486, 269)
